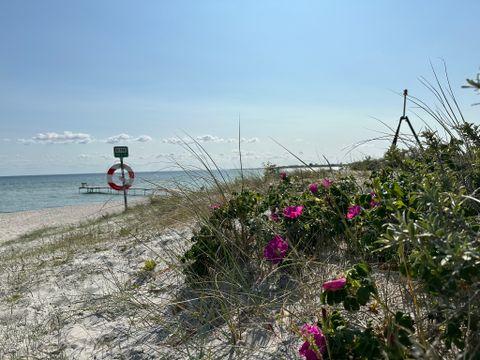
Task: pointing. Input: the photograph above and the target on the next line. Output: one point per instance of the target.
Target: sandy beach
(19, 223)
(60, 291)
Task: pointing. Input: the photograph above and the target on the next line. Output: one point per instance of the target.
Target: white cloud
(143, 138)
(208, 139)
(118, 138)
(67, 137)
(173, 140)
(127, 138)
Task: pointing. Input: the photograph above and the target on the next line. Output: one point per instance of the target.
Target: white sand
(13, 225)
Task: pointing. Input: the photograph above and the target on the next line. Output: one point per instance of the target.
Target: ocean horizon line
(138, 172)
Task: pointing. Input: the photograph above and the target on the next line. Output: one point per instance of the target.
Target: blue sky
(79, 77)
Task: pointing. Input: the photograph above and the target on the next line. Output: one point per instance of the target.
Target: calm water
(18, 193)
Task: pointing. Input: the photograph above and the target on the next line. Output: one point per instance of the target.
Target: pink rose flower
(334, 285)
(312, 333)
(292, 212)
(274, 217)
(283, 175)
(373, 202)
(275, 250)
(354, 211)
(313, 188)
(326, 183)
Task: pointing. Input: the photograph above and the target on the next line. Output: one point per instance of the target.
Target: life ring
(128, 180)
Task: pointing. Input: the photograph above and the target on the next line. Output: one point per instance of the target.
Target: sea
(33, 192)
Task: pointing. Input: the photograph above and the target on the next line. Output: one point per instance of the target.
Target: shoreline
(19, 223)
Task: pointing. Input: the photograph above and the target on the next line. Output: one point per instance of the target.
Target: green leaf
(362, 269)
(404, 320)
(351, 304)
(323, 297)
(363, 295)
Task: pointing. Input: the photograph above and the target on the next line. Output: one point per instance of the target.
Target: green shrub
(417, 214)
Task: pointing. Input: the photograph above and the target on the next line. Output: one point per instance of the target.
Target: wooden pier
(90, 189)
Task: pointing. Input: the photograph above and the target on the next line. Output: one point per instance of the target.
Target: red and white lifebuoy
(128, 180)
